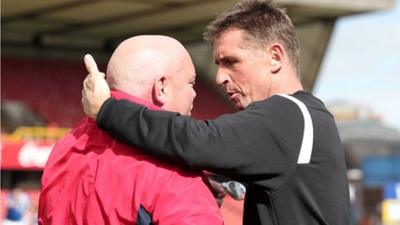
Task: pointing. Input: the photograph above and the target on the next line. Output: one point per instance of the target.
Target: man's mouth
(232, 95)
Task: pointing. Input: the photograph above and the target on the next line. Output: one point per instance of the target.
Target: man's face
(181, 89)
(242, 69)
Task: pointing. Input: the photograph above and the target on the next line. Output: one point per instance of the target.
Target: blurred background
(350, 59)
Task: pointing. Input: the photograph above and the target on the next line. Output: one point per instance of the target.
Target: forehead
(189, 67)
(229, 37)
(230, 42)
(185, 70)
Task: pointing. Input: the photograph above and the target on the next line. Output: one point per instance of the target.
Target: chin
(239, 103)
(239, 106)
(187, 113)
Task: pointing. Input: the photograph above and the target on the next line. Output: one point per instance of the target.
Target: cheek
(252, 76)
(185, 96)
(190, 95)
(242, 74)
(241, 80)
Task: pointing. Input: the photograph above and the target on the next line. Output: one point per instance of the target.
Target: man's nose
(221, 77)
(194, 94)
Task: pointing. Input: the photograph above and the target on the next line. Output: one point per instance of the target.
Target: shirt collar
(122, 95)
(91, 134)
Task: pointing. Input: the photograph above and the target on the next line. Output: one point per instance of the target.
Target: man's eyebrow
(219, 59)
(226, 59)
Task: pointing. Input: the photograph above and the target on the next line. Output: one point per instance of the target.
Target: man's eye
(228, 62)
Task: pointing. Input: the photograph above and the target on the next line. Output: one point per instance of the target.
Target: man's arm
(231, 145)
(239, 145)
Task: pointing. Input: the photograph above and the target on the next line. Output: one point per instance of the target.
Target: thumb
(90, 64)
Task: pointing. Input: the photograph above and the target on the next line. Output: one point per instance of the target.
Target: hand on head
(95, 88)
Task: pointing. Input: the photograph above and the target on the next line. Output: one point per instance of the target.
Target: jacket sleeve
(237, 145)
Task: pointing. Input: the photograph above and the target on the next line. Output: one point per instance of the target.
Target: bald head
(142, 64)
(138, 61)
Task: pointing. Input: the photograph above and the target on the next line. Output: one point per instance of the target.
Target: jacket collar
(122, 95)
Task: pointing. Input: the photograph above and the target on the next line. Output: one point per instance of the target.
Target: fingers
(90, 80)
(88, 83)
(95, 88)
(90, 64)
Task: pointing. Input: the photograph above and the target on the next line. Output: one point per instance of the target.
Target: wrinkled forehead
(230, 41)
(233, 40)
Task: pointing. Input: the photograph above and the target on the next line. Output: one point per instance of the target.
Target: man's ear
(276, 60)
(160, 94)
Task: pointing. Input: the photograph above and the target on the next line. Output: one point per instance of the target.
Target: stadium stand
(52, 89)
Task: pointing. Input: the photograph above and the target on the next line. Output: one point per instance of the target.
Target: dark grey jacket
(259, 146)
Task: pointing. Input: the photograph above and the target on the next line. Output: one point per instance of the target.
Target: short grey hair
(263, 22)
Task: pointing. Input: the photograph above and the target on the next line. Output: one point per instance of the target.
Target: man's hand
(218, 190)
(95, 88)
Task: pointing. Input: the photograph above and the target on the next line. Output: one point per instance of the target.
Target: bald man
(90, 178)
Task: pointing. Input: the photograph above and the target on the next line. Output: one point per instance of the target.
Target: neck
(287, 83)
(132, 89)
(134, 98)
